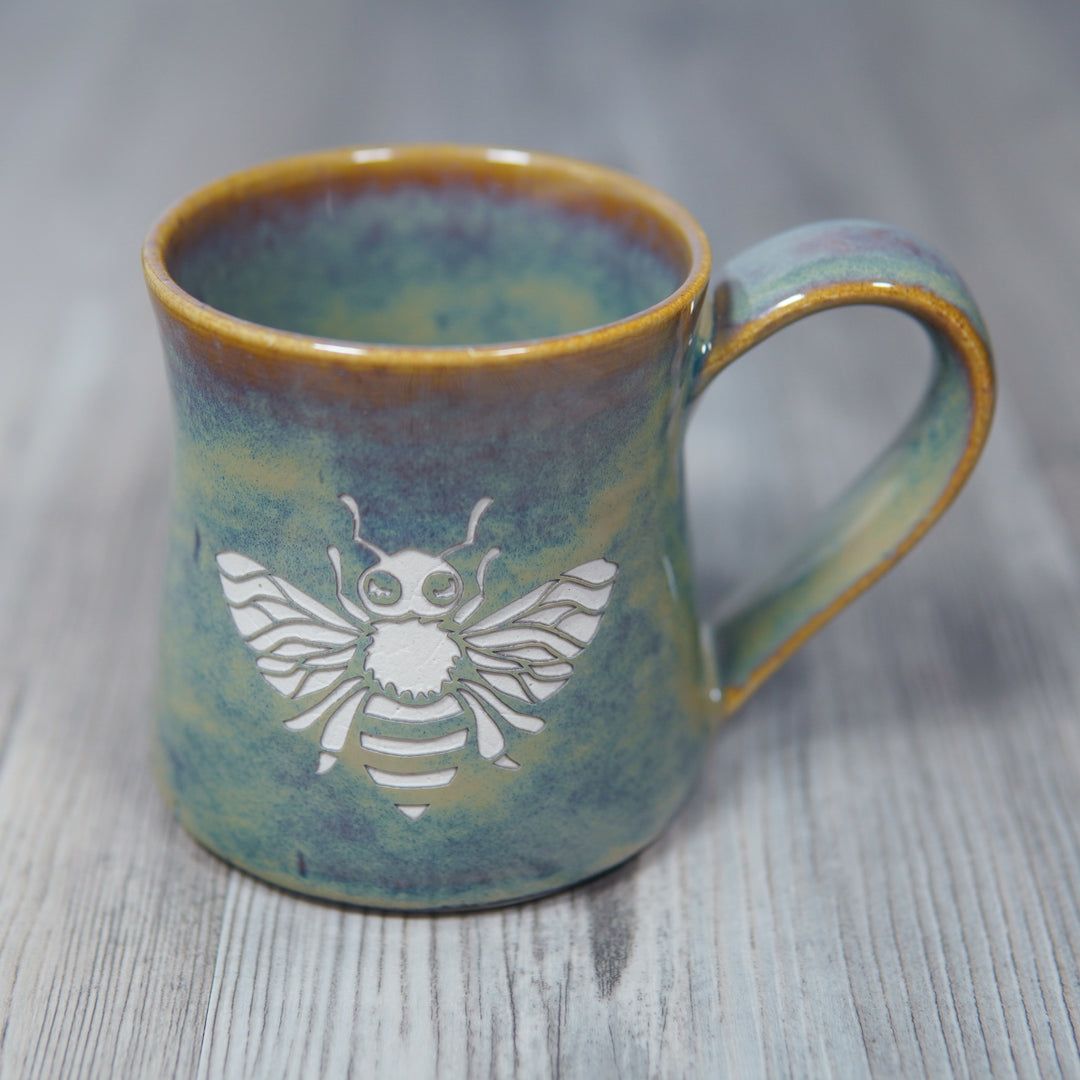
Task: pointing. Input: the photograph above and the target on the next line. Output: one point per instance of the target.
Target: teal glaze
(622, 740)
(856, 539)
(413, 266)
(827, 253)
(482, 266)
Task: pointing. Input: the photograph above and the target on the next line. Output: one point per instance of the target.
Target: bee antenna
(353, 509)
(474, 520)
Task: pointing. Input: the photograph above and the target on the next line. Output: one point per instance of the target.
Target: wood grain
(878, 874)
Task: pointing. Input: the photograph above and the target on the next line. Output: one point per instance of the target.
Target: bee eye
(441, 588)
(382, 588)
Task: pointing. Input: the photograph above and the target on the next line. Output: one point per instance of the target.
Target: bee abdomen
(381, 707)
(395, 756)
(438, 778)
(379, 744)
(390, 773)
(397, 763)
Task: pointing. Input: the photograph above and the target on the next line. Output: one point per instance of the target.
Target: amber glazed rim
(565, 179)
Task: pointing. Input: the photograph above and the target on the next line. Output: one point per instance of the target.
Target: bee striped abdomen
(408, 765)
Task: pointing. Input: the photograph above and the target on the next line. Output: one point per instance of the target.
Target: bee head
(409, 582)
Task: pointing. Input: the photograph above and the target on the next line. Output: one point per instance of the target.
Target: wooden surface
(880, 870)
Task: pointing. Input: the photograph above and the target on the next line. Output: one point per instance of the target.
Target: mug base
(374, 899)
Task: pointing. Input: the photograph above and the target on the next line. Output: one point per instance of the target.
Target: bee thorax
(411, 657)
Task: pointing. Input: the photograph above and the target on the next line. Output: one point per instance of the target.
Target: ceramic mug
(429, 636)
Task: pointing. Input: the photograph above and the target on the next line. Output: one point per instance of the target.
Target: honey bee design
(407, 655)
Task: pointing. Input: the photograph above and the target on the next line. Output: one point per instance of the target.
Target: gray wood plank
(100, 929)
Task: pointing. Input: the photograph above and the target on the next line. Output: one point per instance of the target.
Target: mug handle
(882, 514)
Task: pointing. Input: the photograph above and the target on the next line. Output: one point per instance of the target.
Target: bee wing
(526, 649)
(302, 646)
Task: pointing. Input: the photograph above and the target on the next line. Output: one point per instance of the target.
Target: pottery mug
(429, 637)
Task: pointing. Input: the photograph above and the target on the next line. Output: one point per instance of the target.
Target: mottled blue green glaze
(411, 329)
(418, 266)
(855, 540)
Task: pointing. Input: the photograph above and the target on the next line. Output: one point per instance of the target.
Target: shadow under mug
(429, 638)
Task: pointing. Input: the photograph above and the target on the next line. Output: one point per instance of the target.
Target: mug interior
(428, 248)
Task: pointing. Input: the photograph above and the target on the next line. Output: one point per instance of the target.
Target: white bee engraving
(407, 655)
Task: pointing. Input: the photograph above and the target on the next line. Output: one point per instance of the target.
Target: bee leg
(352, 609)
(466, 610)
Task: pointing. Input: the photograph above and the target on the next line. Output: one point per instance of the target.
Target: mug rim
(292, 346)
